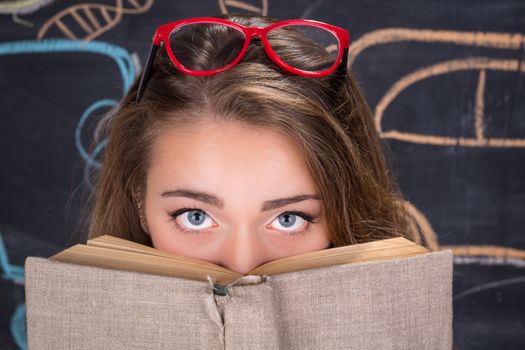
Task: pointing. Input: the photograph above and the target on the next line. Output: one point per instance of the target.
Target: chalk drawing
(310, 9)
(85, 18)
(89, 157)
(10, 272)
(474, 63)
(425, 234)
(511, 41)
(488, 260)
(495, 255)
(501, 41)
(119, 55)
(22, 7)
(16, 274)
(92, 164)
(18, 327)
(489, 285)
(260, 8)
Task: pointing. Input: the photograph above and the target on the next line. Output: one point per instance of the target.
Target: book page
(111, 242)
(113, 252)
(138, 262)
(370, 251)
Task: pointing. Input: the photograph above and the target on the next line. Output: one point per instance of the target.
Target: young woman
(244, 141)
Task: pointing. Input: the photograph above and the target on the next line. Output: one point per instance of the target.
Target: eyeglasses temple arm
(147, 71)
(344, 62)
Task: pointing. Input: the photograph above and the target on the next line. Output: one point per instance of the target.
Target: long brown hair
(327, 118)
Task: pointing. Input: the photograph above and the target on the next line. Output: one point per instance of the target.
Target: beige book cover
(387, 302)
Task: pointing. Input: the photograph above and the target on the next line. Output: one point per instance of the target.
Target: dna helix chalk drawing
(88, 20)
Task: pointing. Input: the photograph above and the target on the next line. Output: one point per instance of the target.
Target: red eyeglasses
(327, 46)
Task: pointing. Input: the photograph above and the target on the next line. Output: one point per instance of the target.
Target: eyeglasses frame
(161, 38)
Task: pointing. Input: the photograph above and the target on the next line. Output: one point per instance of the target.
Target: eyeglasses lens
(194, 44)
(305, 47)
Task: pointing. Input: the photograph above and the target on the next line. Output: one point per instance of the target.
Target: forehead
(229, 155)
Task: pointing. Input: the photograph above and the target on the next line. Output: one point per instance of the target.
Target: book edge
(445, 255)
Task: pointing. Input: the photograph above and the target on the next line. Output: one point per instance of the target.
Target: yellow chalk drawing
(85, 18)
(244, 6)
(512, 41)
(22, 6)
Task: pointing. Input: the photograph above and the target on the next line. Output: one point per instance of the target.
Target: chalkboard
(445, 80)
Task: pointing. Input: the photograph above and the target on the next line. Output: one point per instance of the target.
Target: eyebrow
(219, 203)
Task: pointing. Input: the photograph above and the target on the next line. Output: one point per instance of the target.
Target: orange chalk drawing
(426, 233)
(421, 227)
(510, 41)
(85, 18)
(474, 63)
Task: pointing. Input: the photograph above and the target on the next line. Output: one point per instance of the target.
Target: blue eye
(195, 217)
(192, 220)
(292, 222)
(288, 220)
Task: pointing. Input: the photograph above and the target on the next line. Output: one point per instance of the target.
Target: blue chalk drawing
(128, 72)
(11, 272)
(18, 326)
(78, 131)
(121, 56)
(118, 54)
(16, 274)
(90, 158)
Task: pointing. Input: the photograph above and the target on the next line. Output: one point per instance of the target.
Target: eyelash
(309, 218)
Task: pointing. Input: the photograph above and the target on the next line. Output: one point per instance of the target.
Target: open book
(117, 253)
(116, 294)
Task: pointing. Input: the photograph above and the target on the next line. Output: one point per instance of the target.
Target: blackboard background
(469, 195)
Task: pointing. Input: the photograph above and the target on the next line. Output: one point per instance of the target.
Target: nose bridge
(243, 250)
(254, 32)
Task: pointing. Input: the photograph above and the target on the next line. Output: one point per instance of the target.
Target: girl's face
(234, 195)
